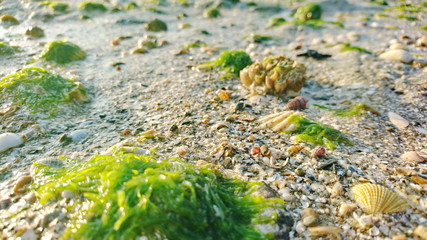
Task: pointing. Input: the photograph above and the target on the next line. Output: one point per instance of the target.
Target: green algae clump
(356, 108)
(6, 49)
(211, 13)
(40, 90)
(92, 6)
(62, 52)
(128, 196)
(309, 11)
(9, 20)
(316, 133)
(57, 6)
(230, 61)
(156, 25)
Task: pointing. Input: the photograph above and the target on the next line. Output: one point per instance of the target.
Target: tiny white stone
(9, 140)
(397, 55)
(397, 120)
(79, 135)
(300, 228)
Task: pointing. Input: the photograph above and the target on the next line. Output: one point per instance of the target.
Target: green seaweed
(276, 22)
(155, 10)
(57, 6)
(316, 133)
(423, 28)
(6, 49)
(310, 11)
(259, 38)
(9, 20)
(131, 5)
(347, 47)
(405, 11)
(130, 196)
(92, 6)
(195, 44)
(62, 52)
(212, 12)
(356, 108)
(40, 90)
(230, 61)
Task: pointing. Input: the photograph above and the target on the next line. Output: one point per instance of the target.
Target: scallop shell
(298, 102)
(412, 156)
(278, 121)
(373, 198)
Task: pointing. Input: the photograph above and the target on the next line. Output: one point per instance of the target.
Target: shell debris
(278, 121)
(331, 232)
(421, 232)
(373, 199)
(346, 209)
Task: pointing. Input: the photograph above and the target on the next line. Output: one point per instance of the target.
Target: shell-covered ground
(164, 92)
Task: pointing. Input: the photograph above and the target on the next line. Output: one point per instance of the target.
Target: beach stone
(397, 55)
(395, 46)
(79, 135)
(29, 235)
(9, 140)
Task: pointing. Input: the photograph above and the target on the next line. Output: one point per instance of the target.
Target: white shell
(278, 121)
(397, 55)
(9, 140)
(397, 120)
(412, 156)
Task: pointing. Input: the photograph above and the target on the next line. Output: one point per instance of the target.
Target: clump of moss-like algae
(62, 52)
(57, 6)
(40, 90)
(132, 196)
(230, 61)
(92, 6)
(356, 108)
(316, 133)
(6, 49)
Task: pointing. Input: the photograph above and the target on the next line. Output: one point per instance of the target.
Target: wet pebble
(397, 55)
(79, 135)
(67, 194)
(35, 32)
(5, 203)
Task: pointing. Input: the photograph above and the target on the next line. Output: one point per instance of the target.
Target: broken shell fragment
(397, 120)
(21, 183)
(309, 217)
(278, 121)
(373, 198)
(412, 156)
(405, 172)
(346, 209)
(298, 102)
(337, 189)
(421, 232)
(224, 95)
(419, 179)
(331, 232)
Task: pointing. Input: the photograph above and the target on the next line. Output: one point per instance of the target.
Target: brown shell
(298, 102)
(318, 151)
(373, 198)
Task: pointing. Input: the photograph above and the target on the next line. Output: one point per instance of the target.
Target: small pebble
(79, 135)
(421, 232)
(337, 189)
(397, 55)
(29, 235)
(9, 140)
(399, 237)
(182, 150)
(396, 46)
(31, 198)
(67, 194)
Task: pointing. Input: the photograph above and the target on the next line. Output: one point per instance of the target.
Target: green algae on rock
(211, 13)
(230, 61)
(92, 6)
(57, 6)
(35, 32)
(156, 25)
(6, 49)
(9, 20)
(126, 196)
(40, 90)
(309, 11)
(62, 52)
(276, 22)
(356, 108)
(315, 133)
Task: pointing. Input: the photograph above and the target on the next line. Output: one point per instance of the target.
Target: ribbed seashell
(412, 156)
(294, 149)
(278, 121)
(318, 151)
(345, 209)
(331, 232)
(421, 232)
(298, 102)
(373, 198)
